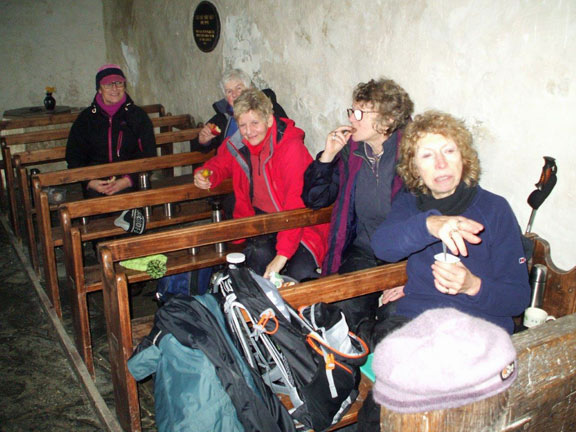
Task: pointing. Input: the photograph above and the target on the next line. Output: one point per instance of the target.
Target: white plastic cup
(534, 316)
(447, 258)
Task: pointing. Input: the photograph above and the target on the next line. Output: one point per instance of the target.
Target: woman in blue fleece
(444, 203)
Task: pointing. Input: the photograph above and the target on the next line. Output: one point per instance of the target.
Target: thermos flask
(537, 283)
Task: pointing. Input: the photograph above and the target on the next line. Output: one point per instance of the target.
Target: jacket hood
(221, 107)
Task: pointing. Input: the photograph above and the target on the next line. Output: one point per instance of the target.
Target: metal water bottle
(168, 210)
(538, 284)
(144, 181)
(217, 217)
(33, 172)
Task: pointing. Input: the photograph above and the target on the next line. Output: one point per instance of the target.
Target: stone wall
(57, 43)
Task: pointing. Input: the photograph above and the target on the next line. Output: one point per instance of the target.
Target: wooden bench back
(75, 175)
(189, 206)
(49, 238)
(152, 197)
(560, 293)
(56, 154)
(165, 140)
(62, 118)
(26, 159)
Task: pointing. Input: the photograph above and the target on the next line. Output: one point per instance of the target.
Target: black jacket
(96, 138)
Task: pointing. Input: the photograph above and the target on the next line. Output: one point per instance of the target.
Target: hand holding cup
(452, 277)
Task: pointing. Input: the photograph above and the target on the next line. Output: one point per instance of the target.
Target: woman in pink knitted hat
(111, 129)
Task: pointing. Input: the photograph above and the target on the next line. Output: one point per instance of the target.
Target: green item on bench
(154, 265)
(366, 368)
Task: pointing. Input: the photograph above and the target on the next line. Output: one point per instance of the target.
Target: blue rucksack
(187, 283)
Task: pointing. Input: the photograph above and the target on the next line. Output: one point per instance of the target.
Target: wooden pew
(23, 161)
(51, 237)
(122, 332)
(51, 136)
(57, 136)
(63, 118)
(47, 121)
(82, 279)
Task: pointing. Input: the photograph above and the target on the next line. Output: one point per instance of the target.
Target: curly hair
(253, 99)
(436, 122)
(393, 104)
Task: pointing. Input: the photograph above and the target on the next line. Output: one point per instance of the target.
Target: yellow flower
(50, 89)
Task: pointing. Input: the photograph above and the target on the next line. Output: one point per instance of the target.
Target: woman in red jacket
(266, 159)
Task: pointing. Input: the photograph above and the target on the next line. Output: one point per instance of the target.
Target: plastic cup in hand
(446, 258)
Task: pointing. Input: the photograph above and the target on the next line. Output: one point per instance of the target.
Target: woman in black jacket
(112, 129)
(222, 125)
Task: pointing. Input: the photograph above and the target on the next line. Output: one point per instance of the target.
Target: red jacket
(285, 158)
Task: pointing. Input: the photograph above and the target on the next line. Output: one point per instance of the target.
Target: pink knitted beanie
(442, 359)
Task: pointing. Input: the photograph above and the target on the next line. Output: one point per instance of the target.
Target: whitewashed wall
(57, 43)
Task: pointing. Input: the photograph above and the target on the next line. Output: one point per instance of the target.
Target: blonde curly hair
(440, 123)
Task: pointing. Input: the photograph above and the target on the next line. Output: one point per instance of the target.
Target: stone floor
(40, 390)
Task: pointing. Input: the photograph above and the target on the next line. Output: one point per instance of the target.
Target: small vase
(49, 102)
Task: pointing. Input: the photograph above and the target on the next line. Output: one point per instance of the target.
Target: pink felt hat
(444, 358)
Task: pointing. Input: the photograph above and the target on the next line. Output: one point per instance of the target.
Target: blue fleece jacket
(498, 260)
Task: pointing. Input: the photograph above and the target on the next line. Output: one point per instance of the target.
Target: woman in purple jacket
(356, 173)
(445, 204)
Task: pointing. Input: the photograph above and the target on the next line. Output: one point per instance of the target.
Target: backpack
(201, 382)
(308, 355)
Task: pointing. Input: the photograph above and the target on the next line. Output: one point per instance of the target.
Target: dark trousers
(362, 308)
(261, 250)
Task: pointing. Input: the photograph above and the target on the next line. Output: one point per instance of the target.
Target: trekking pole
(544, 186)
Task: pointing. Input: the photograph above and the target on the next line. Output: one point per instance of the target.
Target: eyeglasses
(358, 113)
(117, 84)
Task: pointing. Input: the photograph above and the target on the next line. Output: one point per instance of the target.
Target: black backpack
(294, 351)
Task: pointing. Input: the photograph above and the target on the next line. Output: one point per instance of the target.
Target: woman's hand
(455, 279)
(111, 186)
(335, 141)
(392, 294)
(276, 265)
(201, 180)
(205, 135)
(454, 231)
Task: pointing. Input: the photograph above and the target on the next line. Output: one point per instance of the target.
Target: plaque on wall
(206, 26)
